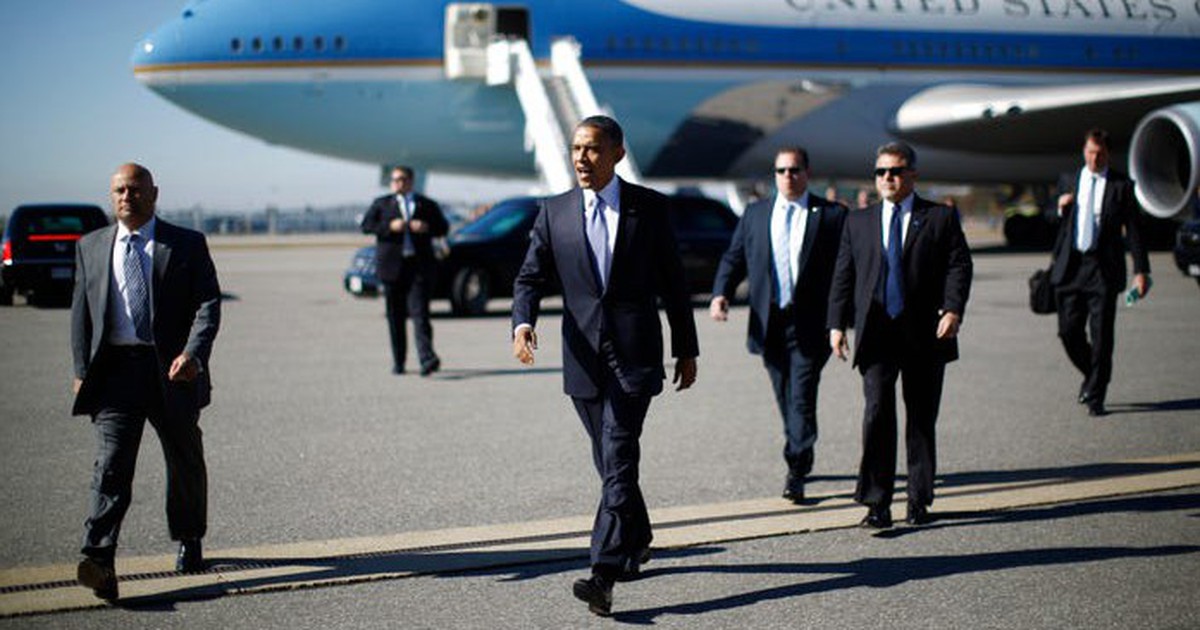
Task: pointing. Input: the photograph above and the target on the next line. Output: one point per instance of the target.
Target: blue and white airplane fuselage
(997, 90)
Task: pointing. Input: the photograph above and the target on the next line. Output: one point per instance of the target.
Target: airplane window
(277, 43)
(319, 43)
(235, 44)
(339, 43)
(256, 45)
(612, 42)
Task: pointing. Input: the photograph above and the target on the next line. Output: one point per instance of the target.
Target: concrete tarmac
(310, 439)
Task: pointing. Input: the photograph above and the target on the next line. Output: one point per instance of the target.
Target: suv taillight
(7, 260)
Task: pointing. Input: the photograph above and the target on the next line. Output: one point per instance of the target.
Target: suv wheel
(470, 291)
(6, 295)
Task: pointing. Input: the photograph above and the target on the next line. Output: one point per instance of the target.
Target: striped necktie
(137, 291)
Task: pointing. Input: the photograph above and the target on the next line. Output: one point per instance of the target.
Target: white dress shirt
(123, 332)
(905, 206)
(1084, 198)
(611, 194)
(799, 225)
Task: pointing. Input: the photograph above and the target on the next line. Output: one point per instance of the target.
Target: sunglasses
(789, 170)
(895, 171)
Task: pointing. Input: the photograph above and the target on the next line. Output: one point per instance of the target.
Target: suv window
(700, 214)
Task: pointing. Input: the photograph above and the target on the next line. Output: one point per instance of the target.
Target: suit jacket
(389, 247)
(186, 308)
(620, 325)
(937, 276)
(750, 254)
(1118, 209)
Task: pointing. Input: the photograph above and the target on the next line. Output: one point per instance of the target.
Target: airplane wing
(1033, 119)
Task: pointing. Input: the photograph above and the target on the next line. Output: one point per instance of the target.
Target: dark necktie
(597, 233)
(893, 288)
(136, 289)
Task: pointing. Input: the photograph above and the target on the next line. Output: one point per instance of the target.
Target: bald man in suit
(145, 313)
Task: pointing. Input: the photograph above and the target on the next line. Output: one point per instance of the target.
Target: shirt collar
(146, 231)
(905, 204)
(1087, 173)
(801, 201)
(611, 194)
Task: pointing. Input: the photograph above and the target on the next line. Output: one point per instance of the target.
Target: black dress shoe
(100, 576)
(398, 371)
(918, 514)
(877, 518)
(190, 558)
(597, 592)
(1096, 409)
(633, 566)
(431, 367)
(793, 489)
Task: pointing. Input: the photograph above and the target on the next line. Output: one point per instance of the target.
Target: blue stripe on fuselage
(615, 32)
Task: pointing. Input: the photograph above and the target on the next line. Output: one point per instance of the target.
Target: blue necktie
(406, 213)
(136, 290)
(597, 233)
(783, 259)
(1086, 223)
(893, 288)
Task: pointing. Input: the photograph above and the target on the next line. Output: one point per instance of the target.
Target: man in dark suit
(904, 274)
(609, 246)
(145, 312)
(404, 224)
(787, 246)
(1089, 265)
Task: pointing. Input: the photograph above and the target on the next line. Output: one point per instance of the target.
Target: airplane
(987, 91)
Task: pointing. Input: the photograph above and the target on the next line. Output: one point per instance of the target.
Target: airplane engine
(1164, 159)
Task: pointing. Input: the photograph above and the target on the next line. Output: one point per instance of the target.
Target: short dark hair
(404, 168)
(796, 150)
(607, 127)
(1097, 135)
(901, 150)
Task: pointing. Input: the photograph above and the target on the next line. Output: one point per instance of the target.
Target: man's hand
(837, 341)
(718, 308)
(524, 343)
(183, 369)
(1065, 200)
(417, 226)
(396, 225)
(1142, 282)
(685, 373)
(948, 325)
(78, 383)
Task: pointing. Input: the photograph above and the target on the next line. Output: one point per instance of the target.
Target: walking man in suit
(145, 312)
(1089, 266)
(609, 246)
(787, 246)
(904, 273)
(404, 224)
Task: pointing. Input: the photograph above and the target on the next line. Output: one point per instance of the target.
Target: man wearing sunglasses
(904, 274)
(787, 246)
(404, 224)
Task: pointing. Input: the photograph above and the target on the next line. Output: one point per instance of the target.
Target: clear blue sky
(71, 111)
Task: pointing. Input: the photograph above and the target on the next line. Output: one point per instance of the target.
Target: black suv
(39, 249)
(486, 253)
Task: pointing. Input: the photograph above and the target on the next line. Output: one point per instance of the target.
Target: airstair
(553, 103)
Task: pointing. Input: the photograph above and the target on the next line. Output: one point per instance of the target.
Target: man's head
(133, 195)
(402, 180)
(791, 172)
(895, 171)
(1095, 150)
(596, 146)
